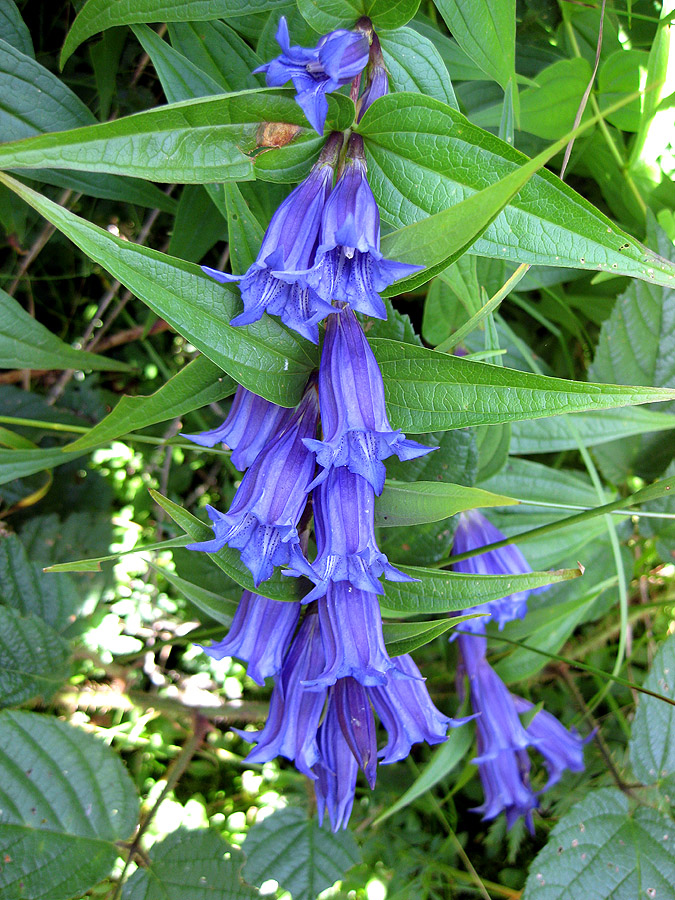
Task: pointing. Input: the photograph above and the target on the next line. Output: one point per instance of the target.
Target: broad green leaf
(26, 344)
(418, 152)
(438, 591)
(197, 384)
(652, 744)
(594, 428)
(331, 14)
(36, 101)
(429, 501)
(13, 29)
(486, 31)
(266, 357)
(293, 850)
(404, 637)
(219, 52)
(229, 560)
(222, 609)
(190, 865)
(460, 66)
(603, 849)
(529, 480)
(33, 659)
(26, 588)
(98, 15)
(429, 390)
(442, 762)
(414, 64)
(66, 799)
(621, 74)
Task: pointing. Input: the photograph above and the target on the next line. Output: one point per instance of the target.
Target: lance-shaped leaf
(413, 503)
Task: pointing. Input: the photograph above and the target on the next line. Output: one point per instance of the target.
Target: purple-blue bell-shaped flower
(474, 531)
(295, 712)
(353, 643)
(262, 520)
(357, 724)
(506, 787)
(561, 748)
(345, 538)
(378, 81)
(349, 266)
(260, 633)
(356, 430)
(251, 423)
(337, 58)
(335, 772)
(406, 711)
(288, 244)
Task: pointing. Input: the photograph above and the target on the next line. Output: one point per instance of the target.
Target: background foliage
(129, 154)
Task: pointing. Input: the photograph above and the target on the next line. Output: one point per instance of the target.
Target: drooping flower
(356, 430)
(357, 724)
(474, 531)
(349, 266)
(251, 423)
(351, 631)
(335, 772)
(260, 633)
(289, 244)
(378, 81)
(262, 520)
(344, 509)
(315, 71)
(295, 712)
(561, 748)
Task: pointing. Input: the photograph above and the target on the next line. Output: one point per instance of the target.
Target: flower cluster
(503, 740)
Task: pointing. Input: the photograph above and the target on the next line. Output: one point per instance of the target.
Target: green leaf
(265, 357)
(99, 15)
(20, 463)
(293, 850)
(33, 659)
(622, 73)
(486, 31)
(404, 637)
(594, 428)
(603, 850)
(197, 384)
(94, 564)
(181, 79)
(331, 14)
(219, 608)
(414, 64)
(13, 29)
(442, 762)
(26, 344)
(219, 52)
(438, 591)
(652, 744)
(198, 224)
(66, 799)
(428, 390)
(418, 152)
(429, 501)
(245, 232)
(198, 865)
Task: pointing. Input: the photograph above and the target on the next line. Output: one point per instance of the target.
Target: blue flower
(252, 422)
(378, 81)
(351, 632)
(561, 749)
(335, 772)
(344, 508)
(474, 531)
(262, 520)
(337, 58)
(288, 244)
(260, 633)
(356, 429)
(349, 266)
(295, 712)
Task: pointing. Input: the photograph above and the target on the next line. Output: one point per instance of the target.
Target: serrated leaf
(198, 865)
(418, 152)
(404, 637)
(601, 849)
(265, 357)
(65, 799)
(33, 659)
(414, 64)
(197, 384)
(331, 14)
(486, 32)
(294, 851)
(428, 390)
(26, 344)
(652, 743)
(429, 501)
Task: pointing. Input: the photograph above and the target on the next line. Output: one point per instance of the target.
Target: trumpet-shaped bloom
(335, 772)
(356, 430)
(262, 520)
(561, 748)
(377, 87)
(289, 243)
(345, 538)
(251, 423)
(349, 266)
(315, 71)
(260, 633)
